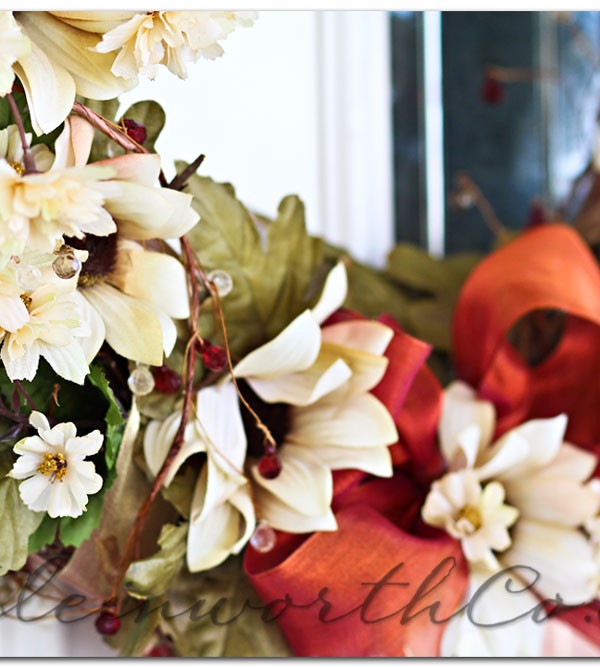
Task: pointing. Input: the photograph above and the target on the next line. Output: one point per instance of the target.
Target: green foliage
(138, 628)
(433, 285)
(152, 116)
(17, 522)
(274, 277)
(151, 577)
(218, 595)
(114, 419)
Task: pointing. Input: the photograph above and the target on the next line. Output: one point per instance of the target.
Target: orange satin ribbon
(547, 267)
(379, 529)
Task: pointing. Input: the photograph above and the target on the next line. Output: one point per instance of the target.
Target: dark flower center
(275, 416)
(102, 257)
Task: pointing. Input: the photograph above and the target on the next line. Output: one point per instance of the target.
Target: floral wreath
(223, 436)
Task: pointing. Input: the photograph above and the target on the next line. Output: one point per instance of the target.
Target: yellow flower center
(54, 465)
(471, 514)
(26, 299)
(18, 167)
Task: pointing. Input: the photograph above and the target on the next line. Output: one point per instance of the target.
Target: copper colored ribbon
(547, 267)
(322, 587)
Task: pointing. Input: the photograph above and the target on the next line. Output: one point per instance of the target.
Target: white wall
(299, 103)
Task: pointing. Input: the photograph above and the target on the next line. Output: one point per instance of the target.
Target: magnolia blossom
(127, 294)
(169, 38)
(57, 478)
(543, 479)
(321, 378)
(324, 375)
(61, 62)
(41, 316)
(222, 515)
(13, 45)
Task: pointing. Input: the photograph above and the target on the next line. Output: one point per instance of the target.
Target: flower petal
(73, 145)
(493, 605)
(563, 557)
(158, 439)
(304, 483)
(324, 376)
(85, 445)
(553, 499)
(363, 335)
(359, 421)
(13, 314)
(132, 329)
(23, 367)
(49, 88)
(461, 409)
(140, 168)
(154, 277)
(94, 324)
(333, 294)
(295, 349)
(281, 516)
(367, 369)
(570, 463)
(543, 437)
(219, 420)
(373, 460)
(35, 492)
(145, 213)
(68, 361)
(72, 49)
(214, 535)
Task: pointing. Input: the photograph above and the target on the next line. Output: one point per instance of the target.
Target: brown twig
(107, 127)
(132, 544)
(28, 161)
(519, 74)
(21, 389)
(466, 186)
(181, 179)
(113, 131)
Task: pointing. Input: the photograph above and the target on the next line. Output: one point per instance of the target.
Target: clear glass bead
(222, 281)
(66, 265)
(264, 538)
(28, 277)
(141, 380)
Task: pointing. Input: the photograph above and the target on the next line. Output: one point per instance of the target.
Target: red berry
(492, 90)
(166, 380)
(108, 623)
(137, 131)
(215, 357)
(269, 466)
(537, 215)
(161, 651)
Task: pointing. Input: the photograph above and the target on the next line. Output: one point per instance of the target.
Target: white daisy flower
(57, 478)
(546, 481)
(42, 316)
(477, 517)
(171, 38)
